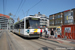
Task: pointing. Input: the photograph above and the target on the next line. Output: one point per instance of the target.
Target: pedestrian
(41, 33)
(55, 34)
(52, 33)
(48, 33)
(46, 30)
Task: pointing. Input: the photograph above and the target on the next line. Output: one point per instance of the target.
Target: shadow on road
(26, 37)
(43, 48)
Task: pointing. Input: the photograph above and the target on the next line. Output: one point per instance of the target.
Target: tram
(28, 27)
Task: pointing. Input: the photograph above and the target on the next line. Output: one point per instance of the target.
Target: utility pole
(27, 12)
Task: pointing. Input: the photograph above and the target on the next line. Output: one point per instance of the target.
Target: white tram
(28, 27)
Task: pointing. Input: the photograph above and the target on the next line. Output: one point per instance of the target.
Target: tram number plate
(35, 33)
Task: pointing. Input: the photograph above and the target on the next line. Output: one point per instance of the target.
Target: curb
(58, 41)
(51, 40)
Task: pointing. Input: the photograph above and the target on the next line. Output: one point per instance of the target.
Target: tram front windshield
(34, 24)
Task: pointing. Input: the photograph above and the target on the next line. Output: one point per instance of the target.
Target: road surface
(11, 41)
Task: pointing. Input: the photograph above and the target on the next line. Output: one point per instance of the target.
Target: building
(5, 21)
(10, 23)
(62, 18)
(44, 20)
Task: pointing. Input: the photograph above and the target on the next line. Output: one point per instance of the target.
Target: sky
(22, 8)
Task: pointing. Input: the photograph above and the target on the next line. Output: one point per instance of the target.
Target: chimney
(38, 12)
(18, 19)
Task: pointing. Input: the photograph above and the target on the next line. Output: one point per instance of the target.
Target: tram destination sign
(34, 18)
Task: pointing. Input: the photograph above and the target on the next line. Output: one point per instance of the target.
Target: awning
(54, 27)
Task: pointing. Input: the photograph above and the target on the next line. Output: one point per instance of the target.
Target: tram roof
(31, 17)
(26, 17)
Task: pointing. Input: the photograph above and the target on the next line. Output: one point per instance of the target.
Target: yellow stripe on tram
(19, 31)
(35, 30)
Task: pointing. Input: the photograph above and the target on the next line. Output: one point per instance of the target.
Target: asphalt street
(11, 41)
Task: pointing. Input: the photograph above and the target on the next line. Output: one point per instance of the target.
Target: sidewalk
(59, 40)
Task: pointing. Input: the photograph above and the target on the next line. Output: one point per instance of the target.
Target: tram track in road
(53, 46)
(39, 43)
(3, 41)
(53, 43)
(46, 45)
(1, 34)
(33, 44)
(11, 45)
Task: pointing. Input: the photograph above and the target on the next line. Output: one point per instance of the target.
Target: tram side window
(27, 24)
(17, 26)
(14, 26)
(22, 25)
(11, 27)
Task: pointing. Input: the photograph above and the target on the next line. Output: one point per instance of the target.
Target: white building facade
(44, 20)
(10, 23)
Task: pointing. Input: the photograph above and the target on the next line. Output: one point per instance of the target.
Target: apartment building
(5, 21)
(62, 18)
(10, 23)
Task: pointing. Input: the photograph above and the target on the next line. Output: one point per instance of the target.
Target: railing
(66, 35)
(63, 35)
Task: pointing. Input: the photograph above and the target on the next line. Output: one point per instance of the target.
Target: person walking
(41, 33)
(56, 34)
(46, 29)
(48, 33)
(52, 33)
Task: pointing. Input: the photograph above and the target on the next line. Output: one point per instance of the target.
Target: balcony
(42, 24)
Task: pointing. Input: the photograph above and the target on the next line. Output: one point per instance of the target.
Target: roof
(5, 16)
(62, 11)
(31, 17)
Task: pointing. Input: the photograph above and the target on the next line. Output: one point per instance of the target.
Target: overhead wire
(19, 7)
(6, 6)
(3, 7)
(34, 5)
(31, 8)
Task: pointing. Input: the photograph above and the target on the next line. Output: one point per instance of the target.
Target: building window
(57, 16)
(43, 17)
(68, 17)
(51, 17)
(51, 22)
(57, 21)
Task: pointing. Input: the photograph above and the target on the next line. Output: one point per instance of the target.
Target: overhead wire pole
(5, 5)
(27, 12)
(32, 7)
(23, 13)
(21, 6)
(3, 8)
